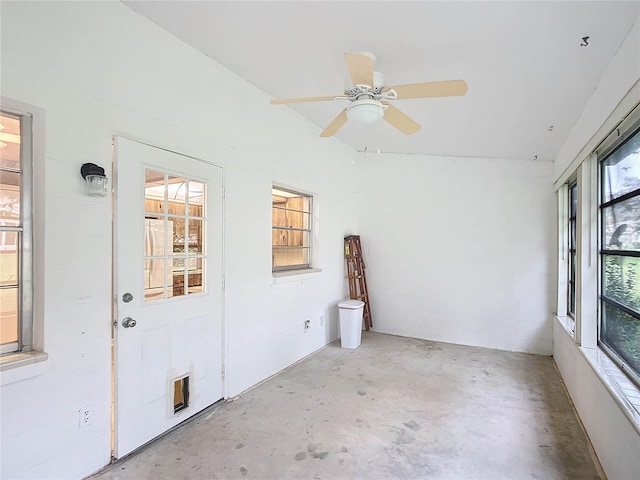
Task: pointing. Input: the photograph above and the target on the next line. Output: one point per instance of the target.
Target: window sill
(569, 325)
(625, 393)
(16, 360)
(284, 276)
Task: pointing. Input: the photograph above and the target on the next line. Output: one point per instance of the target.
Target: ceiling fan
(369, 97)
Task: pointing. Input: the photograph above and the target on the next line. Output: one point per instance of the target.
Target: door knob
(128, 322)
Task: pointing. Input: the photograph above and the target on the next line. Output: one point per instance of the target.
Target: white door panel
(164, 197)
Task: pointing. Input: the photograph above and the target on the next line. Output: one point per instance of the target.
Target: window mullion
(586, 246)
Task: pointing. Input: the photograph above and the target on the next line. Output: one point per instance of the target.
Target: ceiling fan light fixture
(365, 111)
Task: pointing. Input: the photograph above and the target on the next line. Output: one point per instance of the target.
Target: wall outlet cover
(85, 417)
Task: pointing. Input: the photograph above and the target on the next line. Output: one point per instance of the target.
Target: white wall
(615, 439)
(99, 69)
(459, 249)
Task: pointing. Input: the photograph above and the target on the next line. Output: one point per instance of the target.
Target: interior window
(291, 214)
(15, 232)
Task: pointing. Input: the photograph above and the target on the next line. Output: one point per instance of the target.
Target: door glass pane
(154, 240)
(196, 275)
(196, 198)
(8, 315)
(10, 198)
(154, 191)
(176, 238)
(177, 277)
(154, 279)
(196, 236)
(177, 194)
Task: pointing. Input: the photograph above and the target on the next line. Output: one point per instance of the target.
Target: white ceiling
(523, 63)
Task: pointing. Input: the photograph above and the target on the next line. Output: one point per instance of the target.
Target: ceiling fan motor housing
(379, 81)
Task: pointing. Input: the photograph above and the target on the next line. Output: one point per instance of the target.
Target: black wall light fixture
(96, 180)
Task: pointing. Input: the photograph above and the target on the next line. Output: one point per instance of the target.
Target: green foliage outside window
(620, 330)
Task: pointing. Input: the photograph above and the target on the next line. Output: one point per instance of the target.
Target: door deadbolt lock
(128, 322)
(127, 297)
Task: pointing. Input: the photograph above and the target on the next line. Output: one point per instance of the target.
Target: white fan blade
(335, 125)
(401, 120)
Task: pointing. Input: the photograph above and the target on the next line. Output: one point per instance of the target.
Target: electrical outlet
(85, 417)
(321, 320)
(307, 325)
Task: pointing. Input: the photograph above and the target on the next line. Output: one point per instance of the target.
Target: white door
(168, 288)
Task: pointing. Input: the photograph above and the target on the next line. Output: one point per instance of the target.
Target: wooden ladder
(356, 276)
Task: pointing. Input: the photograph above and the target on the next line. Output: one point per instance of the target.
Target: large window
(291, 215)
(571, 264)
(16, 289)
(619, 331)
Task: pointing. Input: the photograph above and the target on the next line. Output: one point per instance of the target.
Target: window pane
(621, 170)
(290, 212)
(622, 280)
(9, 198)
(289, 256)
(621, 332)
(154, 191)
(296, 219)
(9, 142)
(289, 238)
(289, 218)
(572, 283)
(8, 264)
(622, 225)
(292, 238)
(154, 279)
(8, 315)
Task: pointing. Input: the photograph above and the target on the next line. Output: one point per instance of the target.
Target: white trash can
(350, 312)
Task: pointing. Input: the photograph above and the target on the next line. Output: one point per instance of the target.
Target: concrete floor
(394, 408)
